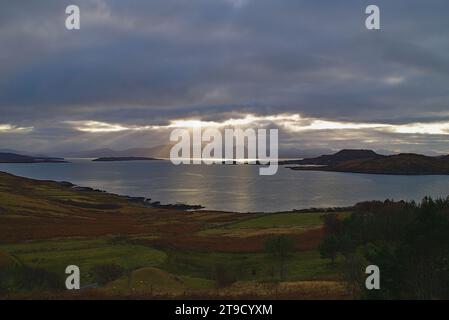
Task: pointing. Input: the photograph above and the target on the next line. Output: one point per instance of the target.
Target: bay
(237, 188)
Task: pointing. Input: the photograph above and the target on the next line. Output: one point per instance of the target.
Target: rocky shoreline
(140, 200)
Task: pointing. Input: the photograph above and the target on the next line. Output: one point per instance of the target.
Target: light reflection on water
(234, 187)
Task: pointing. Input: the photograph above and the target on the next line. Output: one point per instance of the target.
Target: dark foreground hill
(400, 164)
(18, 158)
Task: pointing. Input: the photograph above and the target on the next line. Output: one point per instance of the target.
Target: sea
(237, 188)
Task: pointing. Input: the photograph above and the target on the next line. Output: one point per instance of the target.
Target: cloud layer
(136, 67)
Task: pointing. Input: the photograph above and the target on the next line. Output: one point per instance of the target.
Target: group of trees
(408, 241)
(280, 249)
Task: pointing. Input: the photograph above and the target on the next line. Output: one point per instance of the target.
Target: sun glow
(246, 120)
(104, 127)
(8, 128)
(424, 128)
(333, 125)
(289, 122)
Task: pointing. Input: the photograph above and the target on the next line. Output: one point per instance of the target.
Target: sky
(138, 69)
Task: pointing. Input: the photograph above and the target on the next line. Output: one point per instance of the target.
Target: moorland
(127, 248)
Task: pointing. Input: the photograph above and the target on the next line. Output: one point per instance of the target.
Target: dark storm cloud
(147, 62)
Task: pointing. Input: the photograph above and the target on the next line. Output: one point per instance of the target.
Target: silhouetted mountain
(110, 159)
(154, 152)
(409, 164)
(299, 153)
(400, 164)
(337, 158)
(95, 153)
(24, 153)
(163, 152)
(5, 150)
(18, 158)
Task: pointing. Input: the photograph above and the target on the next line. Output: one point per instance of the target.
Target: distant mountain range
(6, 157)
(163, 152)
(160, 152)
(337, 158)
(112, 159)
(348, 160)
(25, 153)
(367, 161)
(154, 152)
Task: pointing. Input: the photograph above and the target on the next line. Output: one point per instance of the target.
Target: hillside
(401, 164)
(336, 158)
(35, 209)
(18, 158)
(158, 252)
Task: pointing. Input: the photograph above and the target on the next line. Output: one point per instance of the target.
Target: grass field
(152, 282)
(273, 223)
(279, 220)
(250, 267)
(6, 260)
(176, 271)
(56, 255)
(48, 226)
(157, 281)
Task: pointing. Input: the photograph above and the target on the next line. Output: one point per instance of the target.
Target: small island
(110, 159)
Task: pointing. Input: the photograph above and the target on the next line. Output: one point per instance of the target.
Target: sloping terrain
(31, 209)
(6, 157)
(150, 252)
(401, 164)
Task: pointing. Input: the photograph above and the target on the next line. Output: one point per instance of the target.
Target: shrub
(18, 278)
(224, 276)
(105, 273)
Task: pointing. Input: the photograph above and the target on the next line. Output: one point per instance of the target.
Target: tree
(332, 224)
(280, 248)
(408, 241)
(329, 248)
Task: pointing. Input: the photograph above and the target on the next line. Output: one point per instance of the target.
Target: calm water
(234, 188)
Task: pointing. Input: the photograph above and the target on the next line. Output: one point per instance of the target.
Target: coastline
(147, 202)
(326, 169)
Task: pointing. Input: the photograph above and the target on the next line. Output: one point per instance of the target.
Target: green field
(247, 267)
(279, 220)
(176, 271)
(157, 280)
(56, 255)
(272, 223)
(126, 248)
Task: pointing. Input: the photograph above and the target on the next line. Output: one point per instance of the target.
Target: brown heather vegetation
(308, 240)
(31, 210)
(160, 253)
